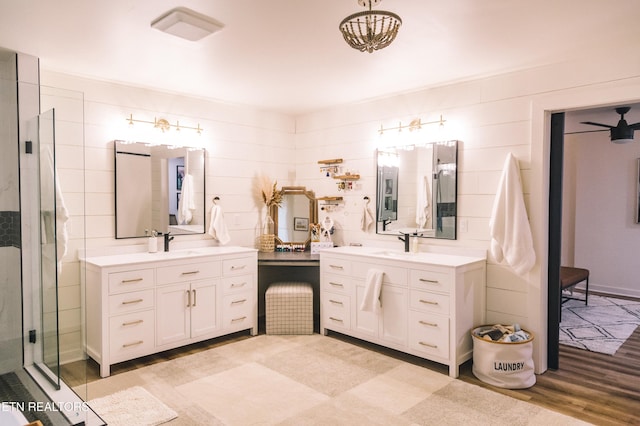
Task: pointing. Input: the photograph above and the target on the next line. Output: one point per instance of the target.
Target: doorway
(613, 156)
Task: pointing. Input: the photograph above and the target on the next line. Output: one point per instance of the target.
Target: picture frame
(179, 177)
(300, 224)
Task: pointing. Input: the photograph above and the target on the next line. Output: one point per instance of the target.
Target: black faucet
(407, 241)
(385, 222)
(167, 239)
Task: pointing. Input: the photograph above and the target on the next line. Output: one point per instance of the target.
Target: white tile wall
(491, 117)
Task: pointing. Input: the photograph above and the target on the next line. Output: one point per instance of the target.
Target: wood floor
(597, 388)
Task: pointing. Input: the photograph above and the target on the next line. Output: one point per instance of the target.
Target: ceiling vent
(187, 24)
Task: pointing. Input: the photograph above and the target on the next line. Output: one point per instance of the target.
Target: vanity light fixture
(187, 24)
(415, 124)
(164, 125)
(370, 30)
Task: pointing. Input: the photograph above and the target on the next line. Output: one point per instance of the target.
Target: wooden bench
(570, 277)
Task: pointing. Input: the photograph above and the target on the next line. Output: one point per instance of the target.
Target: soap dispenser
(414, 245)
(153, 241)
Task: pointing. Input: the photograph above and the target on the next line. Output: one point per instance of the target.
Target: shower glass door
(47, 354)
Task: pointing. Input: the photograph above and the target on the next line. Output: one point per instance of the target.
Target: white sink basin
(392, 253)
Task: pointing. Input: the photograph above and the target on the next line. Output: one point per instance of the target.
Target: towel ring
(216, 199)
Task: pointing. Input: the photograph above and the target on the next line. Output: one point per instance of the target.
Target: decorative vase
(267, 236)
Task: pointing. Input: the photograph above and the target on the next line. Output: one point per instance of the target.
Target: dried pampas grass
(269, 191)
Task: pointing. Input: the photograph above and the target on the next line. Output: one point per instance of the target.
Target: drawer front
(130, 302)
(190, 272)
(120, 282)
(392, 274)
(131, 335)
(237, 284)
(429, 334)
(238, 310)
(430, 280)
(336, 311)
(242, 265)
(335, 265)
(429, 302)
(336, 283)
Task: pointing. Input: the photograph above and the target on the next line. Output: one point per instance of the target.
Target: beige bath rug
(133, 406)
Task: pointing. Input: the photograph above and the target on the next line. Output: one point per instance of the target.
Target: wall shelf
(347, 177)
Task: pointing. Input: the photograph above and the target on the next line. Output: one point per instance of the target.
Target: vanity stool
(289, 308)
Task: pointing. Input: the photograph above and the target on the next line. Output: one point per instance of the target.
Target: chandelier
(370, 30)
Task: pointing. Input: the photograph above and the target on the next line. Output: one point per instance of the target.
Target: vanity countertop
(276, 258)
(441, 259)
(144, 257)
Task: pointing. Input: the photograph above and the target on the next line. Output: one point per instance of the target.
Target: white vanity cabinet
(430, 302)
(143, 303)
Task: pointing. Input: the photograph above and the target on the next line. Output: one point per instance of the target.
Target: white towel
(423, 210)
(217, 226)
(187, 203)
(372, 286)
(511, 238)
(367, 217)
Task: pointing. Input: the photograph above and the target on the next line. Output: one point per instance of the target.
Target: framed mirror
(292, 219)
(158, 187)
(417, 190)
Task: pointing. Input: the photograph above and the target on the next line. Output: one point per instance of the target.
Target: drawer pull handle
(428, 302)
(129, 302)
(424, 280)
(242, 284)
(239, 319)
(335, 319)
(133, 280)
(188, 298)
(430, 324)
(336, 267)
(190, 273)
(233, 302)
(234, 267)
(139, 342)
(195, 299)
(337, 302)
(336, 284)
(124, 324)
(430, 345)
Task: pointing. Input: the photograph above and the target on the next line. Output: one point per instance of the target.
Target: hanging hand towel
(217, 226)
(367, 217)
(186, 206)
(372, 287)
(511, 238)
(423, 205)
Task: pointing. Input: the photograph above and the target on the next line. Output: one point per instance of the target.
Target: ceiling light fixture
(187, 24)
(370, 30)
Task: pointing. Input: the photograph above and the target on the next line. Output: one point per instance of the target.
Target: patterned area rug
(602, 326)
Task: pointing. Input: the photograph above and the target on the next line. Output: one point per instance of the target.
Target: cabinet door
(363, 321)
(203, 308)
(172, 313)
(393, 327)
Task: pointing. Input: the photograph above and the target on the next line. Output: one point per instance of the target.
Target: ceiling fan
(623, 132)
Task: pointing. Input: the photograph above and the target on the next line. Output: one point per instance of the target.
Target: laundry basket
(503, 364)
